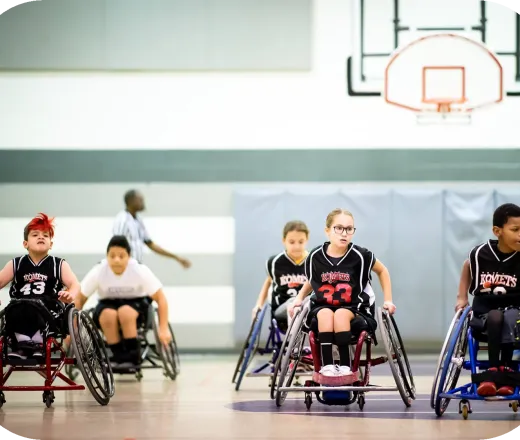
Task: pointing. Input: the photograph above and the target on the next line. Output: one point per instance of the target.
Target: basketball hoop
(443, 78)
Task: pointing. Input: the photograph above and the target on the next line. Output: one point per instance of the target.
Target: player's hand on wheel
(255, 310)
(390, 306)
(461, 303)
(65, 297)
(165, 336)
(293, 306)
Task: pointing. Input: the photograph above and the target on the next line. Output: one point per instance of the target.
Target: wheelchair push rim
(169, 353)
(293, 353)
(451, 370)
(90, 356)
(252, 346)
(244, 347)
(281, 353)
(397, 364)
(440, 361)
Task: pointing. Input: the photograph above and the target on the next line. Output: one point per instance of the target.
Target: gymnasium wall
(145, 105)
(243, 100)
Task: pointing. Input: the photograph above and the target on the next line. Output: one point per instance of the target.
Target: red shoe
(488, 389)
(506, 391)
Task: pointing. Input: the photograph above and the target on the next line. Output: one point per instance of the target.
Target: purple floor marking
(380, 407)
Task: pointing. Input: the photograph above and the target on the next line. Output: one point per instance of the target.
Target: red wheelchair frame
(50, 367)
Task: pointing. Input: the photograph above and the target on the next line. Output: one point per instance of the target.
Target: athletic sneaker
(343, 370)
(329, 371)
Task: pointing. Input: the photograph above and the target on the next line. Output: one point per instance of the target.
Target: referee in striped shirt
(130, 224)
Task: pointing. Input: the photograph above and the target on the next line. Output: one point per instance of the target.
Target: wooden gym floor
(202, 404)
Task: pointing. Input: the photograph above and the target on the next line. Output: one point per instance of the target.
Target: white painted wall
(223, 110)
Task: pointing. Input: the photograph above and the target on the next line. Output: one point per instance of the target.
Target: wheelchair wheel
(396, 357)
(92, 359)
(244, 347)
(440, 361)
(293, 353)
(283, 347)
(453, 360)
(71, 370)
(252, 345)
(169, 354)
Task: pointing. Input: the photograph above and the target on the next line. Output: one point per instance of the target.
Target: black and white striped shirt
(134, 230)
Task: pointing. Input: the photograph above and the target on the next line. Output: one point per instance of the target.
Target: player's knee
(343, 315)
(108, 318)
(127, 314)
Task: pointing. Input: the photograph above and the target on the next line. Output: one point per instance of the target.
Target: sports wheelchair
(251, 348)
(359, 383)
(154, 355)
(86, 344)
(454, 358)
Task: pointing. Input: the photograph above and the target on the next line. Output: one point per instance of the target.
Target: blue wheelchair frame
(462, 341)
(272, 346)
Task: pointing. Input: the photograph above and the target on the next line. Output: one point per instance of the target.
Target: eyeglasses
(340, 229)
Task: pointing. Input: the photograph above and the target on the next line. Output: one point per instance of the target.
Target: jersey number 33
(336, 295)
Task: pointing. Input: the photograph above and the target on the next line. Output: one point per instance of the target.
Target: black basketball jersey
(494, 277)
(344, 281)
(288, 278)
(37, 281)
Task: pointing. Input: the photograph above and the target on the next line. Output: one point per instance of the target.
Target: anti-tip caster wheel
(361, 402)
(48, 398)
(308, 401)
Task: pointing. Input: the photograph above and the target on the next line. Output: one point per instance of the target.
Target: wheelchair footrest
(335, 381)
(30, 362)
(500, 378)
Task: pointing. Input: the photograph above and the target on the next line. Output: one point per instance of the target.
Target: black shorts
(26, 319)
(360, 323)
(140, 305)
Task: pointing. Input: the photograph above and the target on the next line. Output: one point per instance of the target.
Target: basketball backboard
(383, 26)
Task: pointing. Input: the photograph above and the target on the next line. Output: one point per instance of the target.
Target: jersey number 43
(36, 288)
(336, 295)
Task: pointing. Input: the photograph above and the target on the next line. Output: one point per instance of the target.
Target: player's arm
(302, 294)
(262, 296)
(162, 309)
(464, 283)
(6, 274)
(386, 284)
(69, 279)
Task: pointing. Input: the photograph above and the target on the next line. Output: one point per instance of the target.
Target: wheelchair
(251, 348)
(90, 355)
(154, 355)
(460, 352)
(359, 383)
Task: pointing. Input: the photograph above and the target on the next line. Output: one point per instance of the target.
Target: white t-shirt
(137, 281)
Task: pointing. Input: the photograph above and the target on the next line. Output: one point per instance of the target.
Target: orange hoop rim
(441, 102)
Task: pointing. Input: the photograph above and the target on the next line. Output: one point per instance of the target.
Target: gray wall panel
(106, 200)
(203, 166)
(157, 35)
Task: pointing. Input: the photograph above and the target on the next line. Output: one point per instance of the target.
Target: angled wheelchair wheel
(442, 355)
(453, 362)
(244, 347)
(396, 357)
(252, 345)
(91, 356)
(169, 354)
(291, 357)
(281, 352)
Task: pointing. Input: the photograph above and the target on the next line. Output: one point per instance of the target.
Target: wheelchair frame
(346, 395)
(458, 344)
(50, 368)
(153, 353)
(251, 348)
